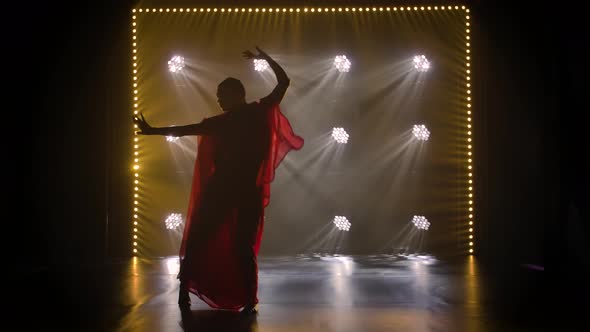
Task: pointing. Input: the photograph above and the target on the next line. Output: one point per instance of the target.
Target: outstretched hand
(142, 124)
(261, 54)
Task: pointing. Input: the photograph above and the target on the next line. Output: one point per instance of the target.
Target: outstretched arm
(176, 131)
(283, 80)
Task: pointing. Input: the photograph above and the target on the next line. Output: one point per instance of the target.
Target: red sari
(212, 270)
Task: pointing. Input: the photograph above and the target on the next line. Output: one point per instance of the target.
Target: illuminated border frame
(470, 225)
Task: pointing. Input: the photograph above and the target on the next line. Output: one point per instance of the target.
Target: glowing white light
(173, 221)
(176, 64)
(340, 135)
(341, 223)
(421, 63)
(342, 63)
(421, 132)
(172, 138)
(260, 65)
(421, 222)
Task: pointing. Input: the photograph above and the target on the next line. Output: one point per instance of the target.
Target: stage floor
(297, 293)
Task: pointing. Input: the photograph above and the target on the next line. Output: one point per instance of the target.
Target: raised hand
(261, 54)
(144, 127)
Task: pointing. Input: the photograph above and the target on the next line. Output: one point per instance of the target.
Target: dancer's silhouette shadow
(217, 320)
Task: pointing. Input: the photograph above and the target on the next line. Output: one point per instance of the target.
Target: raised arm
(283, 80)
(176, 131)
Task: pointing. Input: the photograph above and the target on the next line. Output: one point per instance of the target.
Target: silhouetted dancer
(238, 152)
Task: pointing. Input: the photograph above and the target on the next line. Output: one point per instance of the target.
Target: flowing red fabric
(213, 272)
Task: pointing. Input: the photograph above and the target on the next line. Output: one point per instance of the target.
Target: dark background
(67, 79)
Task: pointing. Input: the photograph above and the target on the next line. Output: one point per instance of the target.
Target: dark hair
(233, 84)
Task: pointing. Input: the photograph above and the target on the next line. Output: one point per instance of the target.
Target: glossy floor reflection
(297, 293)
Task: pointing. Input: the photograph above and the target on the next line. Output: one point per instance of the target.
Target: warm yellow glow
(133, 10)
(174, 10)
(415, 8)
(136, 139)
(136, 153)
(470, 229)
(435, 7)
(421, 8)
(136, 203)
(135, 209)
(469, 166)
(470, 223)
(470, 202)
(140, 10)
(134, 243)
(313, 10)
(346, 9)
(135, 236)
(429, 8)
(136, 167)
(470, 244)
(470, 174)
(135, 229)
(471, 251)
(470, 209)
(135, 250)
(470, 181)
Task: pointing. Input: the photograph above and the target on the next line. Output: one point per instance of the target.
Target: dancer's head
(230, 93)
